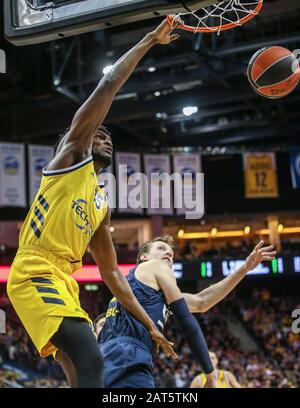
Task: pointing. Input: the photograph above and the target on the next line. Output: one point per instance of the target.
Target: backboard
(34, 21)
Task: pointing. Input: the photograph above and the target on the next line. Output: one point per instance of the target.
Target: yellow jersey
(68, 208)
(222, 381)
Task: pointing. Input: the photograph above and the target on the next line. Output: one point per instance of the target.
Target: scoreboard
(196, 270)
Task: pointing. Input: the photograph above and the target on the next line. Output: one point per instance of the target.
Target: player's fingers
(171, 353)
(259, 245)
(272, 254)
(174, 355)
(268, 248)
(268, 258)
(174, 37)
(176, 21)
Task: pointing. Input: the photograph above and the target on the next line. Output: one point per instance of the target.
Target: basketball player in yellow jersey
(224, 378)
(68, 214)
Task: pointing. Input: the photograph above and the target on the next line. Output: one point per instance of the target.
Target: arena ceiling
(46, 83)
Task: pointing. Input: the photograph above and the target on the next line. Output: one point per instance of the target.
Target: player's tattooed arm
(104, 254)
(77, 142)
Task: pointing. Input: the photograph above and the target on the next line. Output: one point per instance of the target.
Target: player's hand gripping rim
(163, 33)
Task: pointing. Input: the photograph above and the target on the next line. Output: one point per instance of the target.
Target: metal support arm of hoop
(229, 14)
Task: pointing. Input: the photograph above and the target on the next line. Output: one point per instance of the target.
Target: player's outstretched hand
(259, 254)
(163, 33)
(161, 342)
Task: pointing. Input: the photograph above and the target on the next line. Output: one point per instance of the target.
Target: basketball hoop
(221, 16)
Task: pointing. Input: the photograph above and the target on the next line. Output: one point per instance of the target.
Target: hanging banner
(158, 173)
(130, 183)
(12, 175)
(295, 167)
(107, 180)
(260, 175)
(38, 157)
(188, 191)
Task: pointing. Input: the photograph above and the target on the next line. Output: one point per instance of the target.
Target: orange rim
(224, 27)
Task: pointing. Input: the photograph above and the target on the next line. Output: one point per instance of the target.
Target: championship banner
(107, 179)
(158, 172)
(260, 175)
(38, 157)
(295, 167)
(130, 183)
(187, 166)
(12, 175)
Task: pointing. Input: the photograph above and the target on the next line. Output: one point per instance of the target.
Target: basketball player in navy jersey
(125, 343)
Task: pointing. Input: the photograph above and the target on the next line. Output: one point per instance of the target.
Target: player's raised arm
(92, 113)
(207, 298)
(104, 254)
(188, 323)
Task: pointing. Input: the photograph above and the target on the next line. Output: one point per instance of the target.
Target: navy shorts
(133, 379)
(127, 364)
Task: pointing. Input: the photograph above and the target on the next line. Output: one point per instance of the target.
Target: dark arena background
(190, 106)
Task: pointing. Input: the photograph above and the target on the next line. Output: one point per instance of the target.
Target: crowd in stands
(252, 369)
(269, 319)
(275, 364)
(239, 248)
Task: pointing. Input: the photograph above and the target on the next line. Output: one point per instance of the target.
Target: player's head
(158, 248)
(98, 323)
(214, 359)
(102, 148)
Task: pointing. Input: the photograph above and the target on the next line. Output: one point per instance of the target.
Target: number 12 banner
(260, 175)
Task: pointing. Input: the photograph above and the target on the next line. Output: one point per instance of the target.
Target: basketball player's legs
(78, 343)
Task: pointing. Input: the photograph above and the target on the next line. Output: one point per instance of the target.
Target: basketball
(273, 72)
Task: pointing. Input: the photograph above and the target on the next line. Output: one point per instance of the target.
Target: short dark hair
(63, 134)
(145, 248)
(96, 320)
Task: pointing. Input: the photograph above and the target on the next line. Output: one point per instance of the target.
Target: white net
(221, 16)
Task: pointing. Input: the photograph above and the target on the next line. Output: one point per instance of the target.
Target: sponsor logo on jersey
(80, 216)
(99, 199)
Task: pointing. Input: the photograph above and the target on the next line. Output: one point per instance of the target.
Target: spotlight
(280, 228)
(180, 233)
(247, 230)
(189, 110)
(107, 69)
(214, 231)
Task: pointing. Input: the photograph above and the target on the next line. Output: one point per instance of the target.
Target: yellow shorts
(42, 293)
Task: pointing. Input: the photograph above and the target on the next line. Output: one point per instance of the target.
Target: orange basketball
(274, 72)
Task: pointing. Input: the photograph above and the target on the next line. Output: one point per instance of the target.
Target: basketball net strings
(228, 6)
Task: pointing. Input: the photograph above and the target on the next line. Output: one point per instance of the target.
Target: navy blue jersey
(119, 322)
